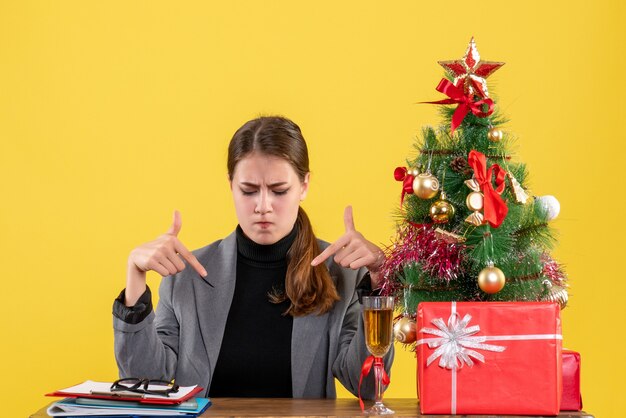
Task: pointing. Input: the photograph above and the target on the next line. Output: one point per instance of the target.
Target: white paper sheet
(87, 387)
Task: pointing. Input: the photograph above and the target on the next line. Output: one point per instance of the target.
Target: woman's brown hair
(309, 289)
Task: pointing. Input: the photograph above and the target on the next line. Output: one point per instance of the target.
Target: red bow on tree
(401, 174)
(466, 103)
(494, 207)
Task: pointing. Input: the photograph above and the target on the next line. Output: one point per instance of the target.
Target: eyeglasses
(145, 386)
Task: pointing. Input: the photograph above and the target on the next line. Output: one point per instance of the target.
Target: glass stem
(378, 376)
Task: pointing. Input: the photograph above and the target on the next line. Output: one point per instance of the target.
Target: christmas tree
(469, 229)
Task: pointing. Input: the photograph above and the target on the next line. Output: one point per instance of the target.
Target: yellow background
(113, 114)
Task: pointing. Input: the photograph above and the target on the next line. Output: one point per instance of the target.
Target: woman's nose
(264, 204)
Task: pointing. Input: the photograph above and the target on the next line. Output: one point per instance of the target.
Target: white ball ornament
(550, 205)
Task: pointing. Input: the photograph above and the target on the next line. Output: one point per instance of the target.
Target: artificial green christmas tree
(469, 229)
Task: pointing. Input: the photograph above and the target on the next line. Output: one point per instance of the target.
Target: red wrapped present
(489, 358)
(571, 400)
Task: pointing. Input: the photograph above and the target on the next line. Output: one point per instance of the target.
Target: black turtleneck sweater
(255, 356)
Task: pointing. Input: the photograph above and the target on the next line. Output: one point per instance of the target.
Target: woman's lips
(264, 225)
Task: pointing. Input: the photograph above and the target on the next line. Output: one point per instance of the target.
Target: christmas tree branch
(456, 153)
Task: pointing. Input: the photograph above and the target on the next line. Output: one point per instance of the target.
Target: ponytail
(310, 289)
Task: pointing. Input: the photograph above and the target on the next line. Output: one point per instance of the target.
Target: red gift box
(571, 400)
(489, 358)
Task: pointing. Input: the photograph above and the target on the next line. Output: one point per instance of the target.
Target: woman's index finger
(330, 250)
(191, 259)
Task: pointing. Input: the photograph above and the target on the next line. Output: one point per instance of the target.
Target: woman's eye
(252, 192)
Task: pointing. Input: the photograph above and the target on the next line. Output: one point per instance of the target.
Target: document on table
(70, 407)
(91, 388)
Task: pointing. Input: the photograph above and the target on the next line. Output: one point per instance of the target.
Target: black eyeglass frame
(141, 386)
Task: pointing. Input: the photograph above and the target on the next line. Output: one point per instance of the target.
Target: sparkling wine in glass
(378, 321)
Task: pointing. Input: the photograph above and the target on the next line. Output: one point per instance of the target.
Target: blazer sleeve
(149, 348)
(352, 350)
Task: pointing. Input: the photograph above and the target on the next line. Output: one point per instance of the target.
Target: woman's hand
(354, 251)
(164, 255)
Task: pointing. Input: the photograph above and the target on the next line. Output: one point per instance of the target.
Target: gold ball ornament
(491, 280)
(495, 135)
(441, 211)
(425, 186)
(405, 330)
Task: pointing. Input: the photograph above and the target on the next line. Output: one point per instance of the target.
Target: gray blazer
(183, 339)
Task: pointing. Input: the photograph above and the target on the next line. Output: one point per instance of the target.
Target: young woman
(269, 311)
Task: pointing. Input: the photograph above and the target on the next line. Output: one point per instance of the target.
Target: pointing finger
(330, 250)
(191, 259)
(348, 221)
(177, 223)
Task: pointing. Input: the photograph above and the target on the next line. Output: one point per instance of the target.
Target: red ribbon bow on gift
(365, 370)
(466, 103)
(494, 207)
(401, 174)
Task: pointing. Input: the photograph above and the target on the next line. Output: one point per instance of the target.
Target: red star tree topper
(470, 72)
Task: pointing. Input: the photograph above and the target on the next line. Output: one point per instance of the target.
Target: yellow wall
(114, 113)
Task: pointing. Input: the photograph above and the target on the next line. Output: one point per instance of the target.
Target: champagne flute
(378, 321)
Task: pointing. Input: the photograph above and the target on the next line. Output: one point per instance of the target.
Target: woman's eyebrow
(277, 184)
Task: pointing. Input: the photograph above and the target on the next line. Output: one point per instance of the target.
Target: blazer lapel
(213, 303)
(306, 336)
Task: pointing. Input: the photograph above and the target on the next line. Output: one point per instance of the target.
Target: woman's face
(267, 193)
